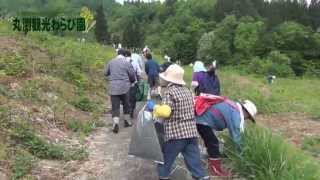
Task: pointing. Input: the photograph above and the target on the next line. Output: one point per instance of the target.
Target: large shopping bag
(144, 141)
(142, 91)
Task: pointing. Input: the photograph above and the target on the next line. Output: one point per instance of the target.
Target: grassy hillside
(52, 90)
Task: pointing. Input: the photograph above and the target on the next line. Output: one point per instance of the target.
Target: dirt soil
(294, 126)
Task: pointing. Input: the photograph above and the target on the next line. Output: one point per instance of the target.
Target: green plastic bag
(142, 91)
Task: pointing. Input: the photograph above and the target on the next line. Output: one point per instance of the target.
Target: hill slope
(53, 101)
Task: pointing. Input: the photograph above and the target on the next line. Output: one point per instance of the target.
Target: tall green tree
(314, 13)
(247, 37)
(101, 30)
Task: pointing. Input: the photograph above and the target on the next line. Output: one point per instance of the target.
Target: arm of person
(234, 128)
(194, 82)
(107, 71)
(218, 85)
(146, 68)
(164, 110)
(158, 67)
(131, 73)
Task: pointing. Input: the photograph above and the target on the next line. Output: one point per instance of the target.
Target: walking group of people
(123, 73)
(189, 113)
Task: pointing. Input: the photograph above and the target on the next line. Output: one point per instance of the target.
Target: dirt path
(294, 126)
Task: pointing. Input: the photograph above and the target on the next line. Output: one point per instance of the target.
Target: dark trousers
(132, 99)
(210, 140)
(191, 154)
(116, 100)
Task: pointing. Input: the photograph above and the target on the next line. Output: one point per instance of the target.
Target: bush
(267, 156)
(276, 63)
(259, 66)
(83, 103)
(75, 76)
(22, 165)
(13, 65)
(30, 90)
(43, 149)
(84, 127)
(36, 145)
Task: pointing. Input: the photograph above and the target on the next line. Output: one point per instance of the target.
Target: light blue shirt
(227, 117)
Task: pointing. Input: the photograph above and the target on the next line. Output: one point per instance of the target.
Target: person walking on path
(120, 75)
(179, 123)
(152, 70)
(134, 86)
(216, 113)
(205, 81)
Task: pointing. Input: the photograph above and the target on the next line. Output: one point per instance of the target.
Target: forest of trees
(280, 36)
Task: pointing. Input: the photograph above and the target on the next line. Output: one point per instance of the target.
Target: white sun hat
(173, 74)
(251, 108)
(199, 66)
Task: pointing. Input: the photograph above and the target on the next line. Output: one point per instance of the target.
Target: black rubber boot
(127, 121)
(115, 128)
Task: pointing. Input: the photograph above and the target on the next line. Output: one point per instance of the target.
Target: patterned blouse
(181, 124)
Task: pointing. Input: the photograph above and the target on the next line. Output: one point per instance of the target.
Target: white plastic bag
(144, 140)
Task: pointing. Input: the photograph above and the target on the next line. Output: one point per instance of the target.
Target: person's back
(205, 81)
(181, 100)
(152, 68)
(208, 83)
(120, 75)
(137, 59)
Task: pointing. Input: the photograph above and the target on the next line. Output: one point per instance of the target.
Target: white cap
(250, 108)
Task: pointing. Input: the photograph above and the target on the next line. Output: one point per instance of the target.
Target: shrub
(267, 156)
(36, 145)
(75, 76)
(30, 90)
(281, 64)
(83, 127)
(276, 63)
(22, 165)
(4, 117)
(13, 65)
(43, 149)
(76, 154)
(259, 66)
(83, 103)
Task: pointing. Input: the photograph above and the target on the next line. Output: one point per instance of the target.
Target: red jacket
(205, 101)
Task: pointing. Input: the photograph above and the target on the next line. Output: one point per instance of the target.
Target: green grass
(265, 156)
(22, 165)
(312, 145)
(42, 149)
(285, 95)
(82, 127)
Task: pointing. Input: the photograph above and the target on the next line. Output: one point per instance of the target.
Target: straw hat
(173, 74)
(251, 108)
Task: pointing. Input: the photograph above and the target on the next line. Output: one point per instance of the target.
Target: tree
(223, 42)
(247, 36)
(101, 30)
(181, 35)
(132, 36)
(205, 47)
(314, 13)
